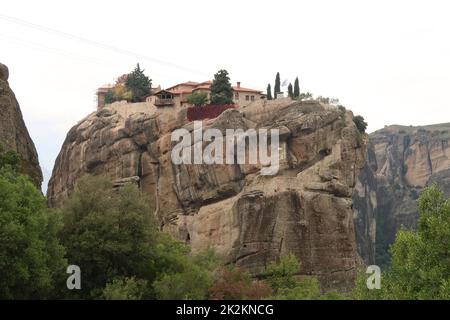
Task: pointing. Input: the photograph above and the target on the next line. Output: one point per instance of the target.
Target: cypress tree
(290, 92)
(221, 90)
(269, 92)
(138, 83)
(296, 89)
(277, 87)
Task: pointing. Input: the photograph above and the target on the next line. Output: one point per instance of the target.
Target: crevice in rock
(157, 182)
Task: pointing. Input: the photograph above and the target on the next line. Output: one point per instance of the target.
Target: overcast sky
(386, 60)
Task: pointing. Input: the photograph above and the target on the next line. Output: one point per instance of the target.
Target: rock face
(249, 218)
(13, 132)
(401, 161)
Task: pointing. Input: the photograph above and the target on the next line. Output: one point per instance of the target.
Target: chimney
(238, 84)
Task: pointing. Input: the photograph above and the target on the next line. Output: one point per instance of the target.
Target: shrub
(191, 279)
(287, 285)
(282, 274)
(341, 108)
(9, 158)
(134, 87)
(360, 123)
(198, 98)
(233, 283)
(305, 95)
(191, 283)
(325, 100)
(125, 289)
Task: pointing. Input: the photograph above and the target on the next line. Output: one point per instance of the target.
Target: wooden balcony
(164, 102)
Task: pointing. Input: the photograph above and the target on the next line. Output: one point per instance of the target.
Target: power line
(97, 44)
(39, 46)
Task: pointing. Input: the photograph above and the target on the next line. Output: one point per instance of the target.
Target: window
(247, 98)
(236, 96)
(252, 98)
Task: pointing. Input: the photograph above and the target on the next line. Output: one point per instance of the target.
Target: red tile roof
(205, 85)
(241, 89)
(180, 91)
(188, 83)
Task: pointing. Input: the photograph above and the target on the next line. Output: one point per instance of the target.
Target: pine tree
(221, 90)
(296, 89)
(139, 84)
(269, 92)
(277, 87)
(290, 92)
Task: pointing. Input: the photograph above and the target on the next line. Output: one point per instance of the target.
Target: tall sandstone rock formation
(401, 161)
(248, 218)
(13, 132)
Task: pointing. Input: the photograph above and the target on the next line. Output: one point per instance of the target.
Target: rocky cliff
(401, 161)
(13, 132)
(249, 218)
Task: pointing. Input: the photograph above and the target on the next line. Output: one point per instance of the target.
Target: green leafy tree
(139, 84)
(109, 234)
(290, 91)
(269, 92)
(307, 289)
(282, 274)
(121, 92)
(360, 123)
(341, 108)
(283, 278)
(325, 100)
(191, 281)
(306, 95)
(9, 158)
(12, 159)
(420, 266)
(125, 289)
(221, 89)
(296, 89)
(32, 264)
(109, 96)
(198, 98)
(277, 87)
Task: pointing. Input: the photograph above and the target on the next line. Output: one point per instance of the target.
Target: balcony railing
(164, 102)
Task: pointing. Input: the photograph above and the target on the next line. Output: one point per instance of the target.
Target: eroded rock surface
(250, 219)
(401, 161)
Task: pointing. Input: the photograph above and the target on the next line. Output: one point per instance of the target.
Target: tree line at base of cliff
(113, 238)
